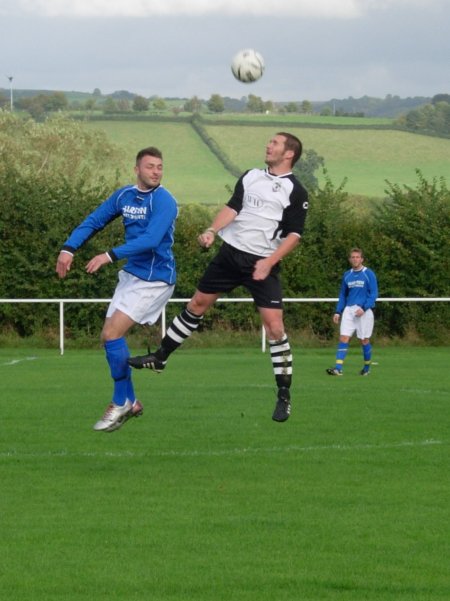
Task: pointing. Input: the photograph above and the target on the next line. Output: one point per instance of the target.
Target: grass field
(367, 158)
(299, 118)
(191, 172)
(204, 498)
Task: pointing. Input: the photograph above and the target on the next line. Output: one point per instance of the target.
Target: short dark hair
(150, 151)
(292, 143)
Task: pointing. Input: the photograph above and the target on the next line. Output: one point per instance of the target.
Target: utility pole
(10, 77)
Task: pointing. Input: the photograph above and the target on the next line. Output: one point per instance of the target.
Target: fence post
(61, 327)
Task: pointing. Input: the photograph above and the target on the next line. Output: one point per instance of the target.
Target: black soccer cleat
(364, 372)
(283, 406)
(332, 371)
(149, 361)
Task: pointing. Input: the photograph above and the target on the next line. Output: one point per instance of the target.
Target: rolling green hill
(366, 157)
(191, 172)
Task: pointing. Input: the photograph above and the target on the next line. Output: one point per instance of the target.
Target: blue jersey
(149, 221)
(358, 288)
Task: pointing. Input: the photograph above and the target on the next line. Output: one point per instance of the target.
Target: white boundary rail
(64, 301)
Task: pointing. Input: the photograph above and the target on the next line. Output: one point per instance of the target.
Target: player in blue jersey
(357, 296)
(147, 279)
(262, 223)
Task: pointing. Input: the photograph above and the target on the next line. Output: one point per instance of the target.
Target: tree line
(51, 176)
(427, 115)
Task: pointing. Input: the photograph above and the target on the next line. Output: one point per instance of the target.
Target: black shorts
(231, 268)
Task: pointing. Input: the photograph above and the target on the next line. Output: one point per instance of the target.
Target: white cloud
(331, 9)
(147, 8)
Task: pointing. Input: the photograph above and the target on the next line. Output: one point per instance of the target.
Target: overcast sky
(313, 49)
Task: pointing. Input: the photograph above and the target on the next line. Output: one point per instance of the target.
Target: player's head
(150, 151)
(291, 142)
(356, 257)
(356, 251)
(148, 168)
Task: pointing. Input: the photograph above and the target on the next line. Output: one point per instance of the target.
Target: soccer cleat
(136, 410)
(332, 371)
(112, 416)
(149, 361)
(283, 406)
(364, 372)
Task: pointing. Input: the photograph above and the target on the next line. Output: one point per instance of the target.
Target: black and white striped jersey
(268, 207)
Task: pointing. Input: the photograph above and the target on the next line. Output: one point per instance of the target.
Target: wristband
(210, 230)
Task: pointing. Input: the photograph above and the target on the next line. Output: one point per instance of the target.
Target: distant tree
(89, 104)
(96, 92)
(269, 106)
(193, 105)
(255, 104)
(440, 98)
(430, 118)
(291, 107)
(122, 94)
(123, 105)
(109, 106)
(326, 111)
(55, 102)
(306, 107)
(306, 169)
(140, 104)
(159, 104)
(38, 106)
(215, 104)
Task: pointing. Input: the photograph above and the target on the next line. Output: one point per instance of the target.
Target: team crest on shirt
(276, 186)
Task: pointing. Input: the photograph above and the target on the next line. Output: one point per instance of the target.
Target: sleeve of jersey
(372, 290)
(94, 222)
(295, 214)
(236, 200)
(163, 215)
(342, 297)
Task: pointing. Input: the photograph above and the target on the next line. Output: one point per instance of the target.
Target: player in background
(147, 280)
(261, 224)
(357, 296)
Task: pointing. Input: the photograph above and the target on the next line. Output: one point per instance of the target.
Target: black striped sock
(281, 355)
(183, 326)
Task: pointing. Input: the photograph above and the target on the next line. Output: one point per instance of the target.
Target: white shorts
(142, 301)
(350, 323)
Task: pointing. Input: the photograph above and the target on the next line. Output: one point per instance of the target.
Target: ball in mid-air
(247, 65)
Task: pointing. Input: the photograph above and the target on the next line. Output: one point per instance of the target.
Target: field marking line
(15, 361)
(423, 391)
(227, 452)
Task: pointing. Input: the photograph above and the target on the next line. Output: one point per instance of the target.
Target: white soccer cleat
(113, 416)
(136, 411)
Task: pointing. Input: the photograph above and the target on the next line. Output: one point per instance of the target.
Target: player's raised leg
(181, 328)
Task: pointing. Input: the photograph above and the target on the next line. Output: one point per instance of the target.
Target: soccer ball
(247, 65)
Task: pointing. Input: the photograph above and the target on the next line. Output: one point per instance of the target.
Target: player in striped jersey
(261, 224)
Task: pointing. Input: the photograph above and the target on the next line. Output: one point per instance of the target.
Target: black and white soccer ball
(247, 65)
